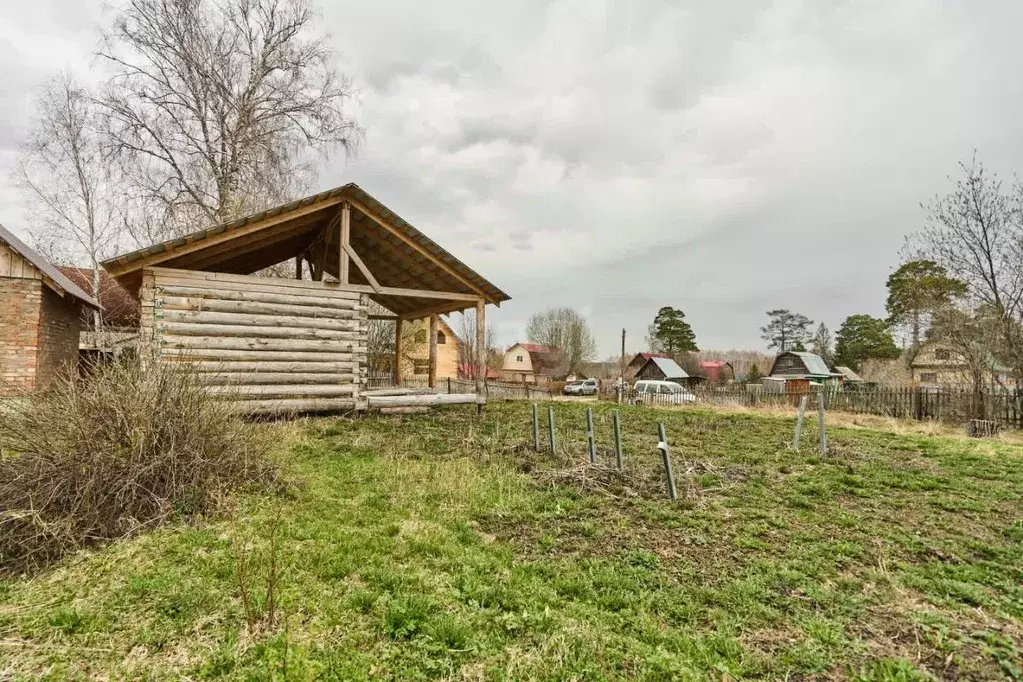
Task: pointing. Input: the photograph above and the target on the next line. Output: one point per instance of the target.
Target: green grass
(437, 546)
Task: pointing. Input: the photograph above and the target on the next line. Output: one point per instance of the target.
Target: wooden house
(798, 370)
(938, 363)
(662, 369)
(297, 345)
(40, 317)
(531, 363)
(717, 371)
(448, 347)
(637, 362)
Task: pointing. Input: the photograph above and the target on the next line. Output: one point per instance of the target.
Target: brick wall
(60, 323)
(20, 301)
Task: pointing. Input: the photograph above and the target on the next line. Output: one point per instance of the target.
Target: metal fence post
(666, 457)
(591, 442)
(799, 423)
(550, 428)
(536, 428)
(820, 420)
(618, 438)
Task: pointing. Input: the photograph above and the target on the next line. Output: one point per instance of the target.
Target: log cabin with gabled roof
(296, 345)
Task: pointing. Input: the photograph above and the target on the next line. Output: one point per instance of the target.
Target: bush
(115, 453)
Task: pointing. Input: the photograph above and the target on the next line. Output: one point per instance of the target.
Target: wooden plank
(431, 379)
(118, 269)
(398, 390)
(481, 348)
(262, 319)
(240, 331)
(398, 351)
(219, 280)
(349, 251)
(257, 355)
(282, 390)
(294, 406)
(266, 378)
(229, 366)
(167, 291)
(217, 343)
(423, 400)
(441, 309)
(345, 247)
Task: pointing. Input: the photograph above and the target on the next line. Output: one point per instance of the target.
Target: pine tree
(673, 332)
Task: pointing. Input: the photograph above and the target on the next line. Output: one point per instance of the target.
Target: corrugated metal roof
(669, 368)
(59, 279)
(814, 363)
(848, 373)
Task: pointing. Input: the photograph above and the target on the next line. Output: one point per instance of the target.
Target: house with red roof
(532, 363)
(717, 371)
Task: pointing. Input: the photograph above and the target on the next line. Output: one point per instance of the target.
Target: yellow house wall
(447, 353)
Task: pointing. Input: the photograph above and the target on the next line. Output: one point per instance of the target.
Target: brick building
(40, 317)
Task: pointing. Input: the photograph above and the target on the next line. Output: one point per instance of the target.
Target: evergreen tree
(785, 330)
(673, 332)
(820, 344)
(916, 290)
(862, 337)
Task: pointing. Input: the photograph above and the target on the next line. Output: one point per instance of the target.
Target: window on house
(441, 337)
(929, 377)
(420, 366)
(518, 358)
(421, 336)
(942, 354)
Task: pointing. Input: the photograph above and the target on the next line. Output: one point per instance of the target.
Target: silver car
(650, 392)
(581, 387)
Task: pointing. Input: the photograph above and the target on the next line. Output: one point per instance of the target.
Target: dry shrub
(109, 455)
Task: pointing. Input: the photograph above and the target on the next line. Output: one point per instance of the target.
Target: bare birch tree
(217, 108)
(66, 180)
(976, 233)
(566, 330)
(470, 355)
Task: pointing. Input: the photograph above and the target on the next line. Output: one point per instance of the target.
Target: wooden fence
(950, 405)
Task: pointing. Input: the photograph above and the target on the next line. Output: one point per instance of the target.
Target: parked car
(581, 387)
(650, 392)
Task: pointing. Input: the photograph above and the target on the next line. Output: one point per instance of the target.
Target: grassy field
(439, 546)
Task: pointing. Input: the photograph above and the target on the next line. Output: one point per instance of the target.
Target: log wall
(268, 345)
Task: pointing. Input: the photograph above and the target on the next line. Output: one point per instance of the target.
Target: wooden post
(591, 442)
(820, 420)
(536, 429)
(397, 352)
(799, 423)
(432, 380)
(481, 343)
(618, 438)
(346, 227)
(550, 429)
(662, 445)
(298, 267)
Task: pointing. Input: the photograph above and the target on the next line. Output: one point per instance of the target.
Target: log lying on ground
(293, 406)
(425, 400)
(382, 392)
(404, 410)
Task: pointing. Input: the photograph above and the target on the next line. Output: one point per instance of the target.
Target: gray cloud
(724, 158)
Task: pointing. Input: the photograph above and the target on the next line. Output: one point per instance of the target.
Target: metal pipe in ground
(662, 446)
(799, 423)
(550, 429)
(536, 428)
(820, 421)
(591, 442)
(618, 438)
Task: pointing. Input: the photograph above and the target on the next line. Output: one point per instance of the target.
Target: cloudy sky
(620, 155)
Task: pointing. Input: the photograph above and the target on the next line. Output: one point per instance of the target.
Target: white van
(651, 392)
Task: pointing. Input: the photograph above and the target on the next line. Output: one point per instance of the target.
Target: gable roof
(669, 368)
(535, 348)
(120, 308)
(53, 277)
(397, 254)
(848, 373)
(814, 363)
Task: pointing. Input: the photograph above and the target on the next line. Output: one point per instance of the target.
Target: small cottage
(717, 371)
(637, 362)
(531, 363)
(40, 317)
(938, 363)
(662, 369)
(799, 370)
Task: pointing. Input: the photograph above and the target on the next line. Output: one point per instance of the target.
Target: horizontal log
(226, 278)
(293, 406)
(228, 367)
(381, 392)
(404, 410)
(424, 400)
(243, 378)
(261, 320)
(282, 390)
(164, 291)
(249, 355)
(217, 305)
(262, 286)
(219, 343)
(245, 331)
